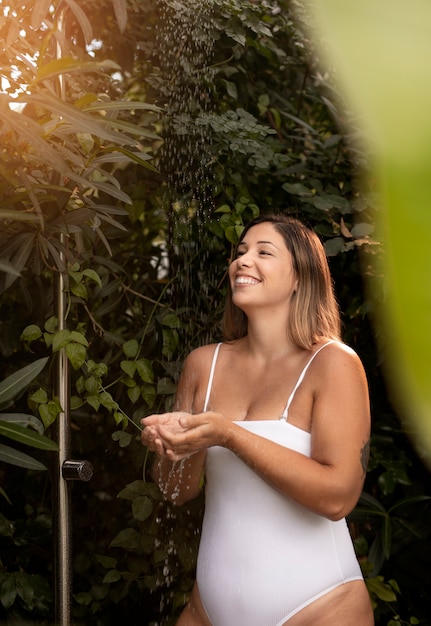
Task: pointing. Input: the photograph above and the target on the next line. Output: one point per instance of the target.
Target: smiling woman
(277, 419)
(314, 311)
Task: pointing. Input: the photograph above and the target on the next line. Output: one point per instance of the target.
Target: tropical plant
(231, 105)
(20, 427)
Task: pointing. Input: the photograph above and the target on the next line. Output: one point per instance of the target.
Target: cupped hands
(178, 435)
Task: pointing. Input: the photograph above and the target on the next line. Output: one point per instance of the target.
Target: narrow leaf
(26, 436)
(68, 65)
(19, 216)
(23, 420)
(120, 10)
(14, 457)
(15, 383)
(38, 13)
(8, 268)
(82, 19)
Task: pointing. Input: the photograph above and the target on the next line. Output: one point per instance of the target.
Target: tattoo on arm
(365, 456)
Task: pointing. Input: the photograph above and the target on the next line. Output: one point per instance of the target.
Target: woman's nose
(244, 260)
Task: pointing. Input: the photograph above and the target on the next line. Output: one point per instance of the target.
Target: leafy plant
(22, 428)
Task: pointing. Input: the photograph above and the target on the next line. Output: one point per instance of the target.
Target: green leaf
(144, 368)
(371, 501)
(78, 338)
(171, 320)
(122, 437)
(334, 246)
(121, 420)
(131, 348)
(409, 501)
(23, 420)
(148, 393)
(31, 333)
(11, 386)
(127, 538)
(24, 588)
(93, 401)
(61, 339)
(129, 368)
(381, 589)
(8, 591)
(108, 401)
(79, 290)
(5, 496)
(69, 65)
(76, 276)
(165, 386)
(49, 412)
(76, 402)
(26, 436)
(89, 273)
(120, 10)
(326, 202)
(76, 354)
(109, 562)
(134, 490)
(142, 508)
(40, 396)
(112, 576)
(51, 324)
(134, 394)
(15, 457)
(224, 208)
(83, 598)
(92, 385)
(297, 189)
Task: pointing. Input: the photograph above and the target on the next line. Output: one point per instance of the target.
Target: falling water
(184, 46)
(183, 52)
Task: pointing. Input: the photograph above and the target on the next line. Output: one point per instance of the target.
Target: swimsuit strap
(300, 379)
(211, 376)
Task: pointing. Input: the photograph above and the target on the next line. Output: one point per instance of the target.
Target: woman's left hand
(198, 432)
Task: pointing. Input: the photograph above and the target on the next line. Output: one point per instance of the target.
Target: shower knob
(77, 470)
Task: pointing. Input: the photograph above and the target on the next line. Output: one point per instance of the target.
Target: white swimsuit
(263, 557)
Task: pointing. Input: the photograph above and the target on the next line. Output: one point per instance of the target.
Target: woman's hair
(314, 312)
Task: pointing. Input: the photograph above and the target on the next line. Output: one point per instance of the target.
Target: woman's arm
(330, 482)
(179, 480)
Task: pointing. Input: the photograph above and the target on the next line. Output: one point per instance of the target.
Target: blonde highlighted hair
(314, 312)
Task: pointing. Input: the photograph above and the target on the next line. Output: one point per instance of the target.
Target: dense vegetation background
(136, 140)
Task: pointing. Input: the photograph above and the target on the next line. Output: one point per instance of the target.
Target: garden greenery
(137, 140)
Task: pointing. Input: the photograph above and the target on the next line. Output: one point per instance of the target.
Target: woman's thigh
(347, 605)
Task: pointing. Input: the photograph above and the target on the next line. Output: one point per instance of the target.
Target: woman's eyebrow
(244, 243)
(268, 242)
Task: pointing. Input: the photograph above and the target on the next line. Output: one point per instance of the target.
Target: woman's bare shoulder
(338, 356)
(199, 360)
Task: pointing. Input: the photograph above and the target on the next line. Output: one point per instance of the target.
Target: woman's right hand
(158, 424)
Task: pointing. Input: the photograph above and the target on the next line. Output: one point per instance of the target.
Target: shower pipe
(66, 469)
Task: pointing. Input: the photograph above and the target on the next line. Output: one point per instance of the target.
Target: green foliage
(229, 102)
(20, 427)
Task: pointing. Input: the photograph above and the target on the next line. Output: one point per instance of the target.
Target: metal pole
(63, 538)
(62, 530)
(66, 469)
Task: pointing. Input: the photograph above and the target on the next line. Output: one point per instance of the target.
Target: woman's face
(262, 274)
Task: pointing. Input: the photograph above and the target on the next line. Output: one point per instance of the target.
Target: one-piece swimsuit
(263, 557)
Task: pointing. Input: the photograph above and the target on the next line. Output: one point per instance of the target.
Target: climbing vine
(135, 183)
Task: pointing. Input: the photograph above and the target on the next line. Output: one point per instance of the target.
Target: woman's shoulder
(201, 356)
(334, 354)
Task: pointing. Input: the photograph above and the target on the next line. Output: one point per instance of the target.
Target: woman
(277, 419)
